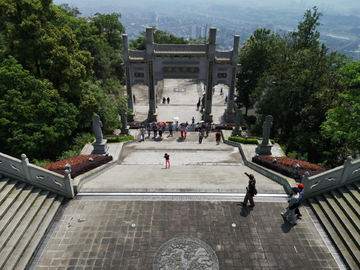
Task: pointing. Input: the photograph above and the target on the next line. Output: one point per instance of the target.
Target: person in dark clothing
(301, 200)
(250, 191)
(218, 137)
(168, 100)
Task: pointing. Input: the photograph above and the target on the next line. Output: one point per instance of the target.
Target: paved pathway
(197, 199)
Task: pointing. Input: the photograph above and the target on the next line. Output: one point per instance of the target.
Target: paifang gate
(181, 61)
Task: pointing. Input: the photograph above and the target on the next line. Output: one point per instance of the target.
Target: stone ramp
(26, 213)
(338, 211)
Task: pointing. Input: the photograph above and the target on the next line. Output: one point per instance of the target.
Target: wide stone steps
(26, 213)
(338, 211)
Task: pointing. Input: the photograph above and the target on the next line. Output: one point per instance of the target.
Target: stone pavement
(138, 215)
(98, 234)
(195, 167)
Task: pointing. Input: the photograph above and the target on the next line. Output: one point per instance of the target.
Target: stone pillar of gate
(207, 114)
(152, 114)
(229, 112)
(129, 91)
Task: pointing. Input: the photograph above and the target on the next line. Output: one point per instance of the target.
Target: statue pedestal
(229, 117)
(131, 117)
(236, 132)
(152, 116)
(100, 148)
(263, 150)
(125, 130)
(207, 117)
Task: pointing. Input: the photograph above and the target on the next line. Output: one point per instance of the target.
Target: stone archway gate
(181, 61)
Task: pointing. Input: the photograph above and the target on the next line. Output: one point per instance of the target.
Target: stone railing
(334, 178)
(24, 171)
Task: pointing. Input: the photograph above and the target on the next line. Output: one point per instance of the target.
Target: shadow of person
(158, 139)
(180, 139)
(286, 226)
(245, 211)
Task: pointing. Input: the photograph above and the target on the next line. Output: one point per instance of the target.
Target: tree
(298, 89)
(34, 119)
(255, 58)
(160, 37)
(343, 122)
(45, 50)
(110, 26)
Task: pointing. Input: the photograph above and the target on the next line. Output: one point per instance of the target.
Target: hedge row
(112, 139)
(86, 166)
(247, 141)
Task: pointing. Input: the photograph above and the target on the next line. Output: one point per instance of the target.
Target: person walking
(217, 137)
(293, 204)
(301, 200)
(160, 131)
(142, 131)
(149, 130)
(167, 160)
(200, 136)
(198, 105)
(250, 191)
(168, 100)
(182, 131)
(192, 120)
(171, 129)
(155, 131)
(185, 131)
(221, 92)
(177, 126)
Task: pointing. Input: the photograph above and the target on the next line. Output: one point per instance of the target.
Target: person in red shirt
(167, 160)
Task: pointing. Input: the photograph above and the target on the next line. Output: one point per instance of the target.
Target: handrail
(37, 176)
(347, 173)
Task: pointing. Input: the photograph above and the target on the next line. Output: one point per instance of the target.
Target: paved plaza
(139, 215)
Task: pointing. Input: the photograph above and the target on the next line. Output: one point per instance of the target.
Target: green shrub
(41, 163)
(118, 139)
(243, 140)
(68, 154)
(81, 140)
(247, 141)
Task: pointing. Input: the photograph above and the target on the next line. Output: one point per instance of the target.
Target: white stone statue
(97, 125)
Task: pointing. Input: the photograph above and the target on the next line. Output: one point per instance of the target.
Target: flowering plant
(290, 162)
(73, 161)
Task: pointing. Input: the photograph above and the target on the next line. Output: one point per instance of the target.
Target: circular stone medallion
(185, 253)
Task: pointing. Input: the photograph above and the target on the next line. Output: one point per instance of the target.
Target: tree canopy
(295, 79)
(64, 68)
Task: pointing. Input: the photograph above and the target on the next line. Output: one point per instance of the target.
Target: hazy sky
(255, 3)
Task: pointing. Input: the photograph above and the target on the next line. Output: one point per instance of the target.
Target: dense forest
(313, 94)
(57, 69)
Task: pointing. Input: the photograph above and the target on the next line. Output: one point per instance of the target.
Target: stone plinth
(125, 130)
(207, 117)
(264, 150)
(152, 116)
(229, 118)
(100, 148)
(131, 117)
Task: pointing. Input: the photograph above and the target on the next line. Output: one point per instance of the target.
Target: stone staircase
(26, 213)
(339, 212)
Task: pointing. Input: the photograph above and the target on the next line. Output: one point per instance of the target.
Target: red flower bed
(79, 165)
(285, 169)
(290, 162)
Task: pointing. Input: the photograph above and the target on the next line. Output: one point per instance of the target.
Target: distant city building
(154, 17)
(192, 31)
